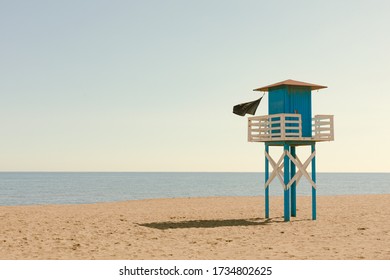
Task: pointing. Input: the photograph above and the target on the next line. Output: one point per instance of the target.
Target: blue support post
(266, 186)
(313, 190)
(293, 186)
(286, 180)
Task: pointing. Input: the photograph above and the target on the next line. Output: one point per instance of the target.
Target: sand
(347, 227)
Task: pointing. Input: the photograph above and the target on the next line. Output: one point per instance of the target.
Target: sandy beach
(347, 227)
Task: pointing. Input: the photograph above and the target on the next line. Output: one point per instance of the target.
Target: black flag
(247, 108)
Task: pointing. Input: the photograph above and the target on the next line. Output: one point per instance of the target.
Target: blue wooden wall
(291, 100)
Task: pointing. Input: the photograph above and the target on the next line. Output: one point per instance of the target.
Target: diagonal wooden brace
(277, 170)
(301, 169)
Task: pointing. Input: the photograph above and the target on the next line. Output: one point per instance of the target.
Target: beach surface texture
(347, 227)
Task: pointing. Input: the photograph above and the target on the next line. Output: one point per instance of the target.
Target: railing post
(316, 134)
(331, 128)
(249, 130)
(300, 125)
(268, 126)
(282, 126)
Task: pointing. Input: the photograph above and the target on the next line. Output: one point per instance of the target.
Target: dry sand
(347, 227)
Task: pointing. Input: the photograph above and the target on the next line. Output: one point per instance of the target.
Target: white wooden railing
(323, 127)
(274, 127)
(288, 127)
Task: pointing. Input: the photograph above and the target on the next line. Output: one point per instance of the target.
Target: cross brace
(278, 169)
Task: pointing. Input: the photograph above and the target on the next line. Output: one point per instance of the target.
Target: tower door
(300, 103)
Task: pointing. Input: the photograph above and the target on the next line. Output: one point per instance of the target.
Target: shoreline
(347, 227)
(186, 197)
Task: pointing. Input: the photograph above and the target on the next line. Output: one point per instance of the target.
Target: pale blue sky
(150, 85)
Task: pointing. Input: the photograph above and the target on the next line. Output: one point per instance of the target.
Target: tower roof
(291, 83)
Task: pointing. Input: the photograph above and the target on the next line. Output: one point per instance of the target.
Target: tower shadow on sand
(215, 223)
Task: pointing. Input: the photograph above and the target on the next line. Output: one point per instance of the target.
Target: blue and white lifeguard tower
(290, 124)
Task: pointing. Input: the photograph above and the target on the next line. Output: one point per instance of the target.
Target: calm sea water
(25, 188)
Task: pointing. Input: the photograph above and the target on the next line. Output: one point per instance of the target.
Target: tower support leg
(294, 185)
(313, 189)
(286, 172)
(266, 190)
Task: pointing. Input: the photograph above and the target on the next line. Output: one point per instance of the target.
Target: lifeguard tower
(289, 124)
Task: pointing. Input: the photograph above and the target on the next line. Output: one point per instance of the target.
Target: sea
(39, 188)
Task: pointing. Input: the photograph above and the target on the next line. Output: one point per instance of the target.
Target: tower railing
(288, 127)
(323, 127)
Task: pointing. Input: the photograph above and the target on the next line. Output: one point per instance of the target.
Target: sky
(150, 85)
